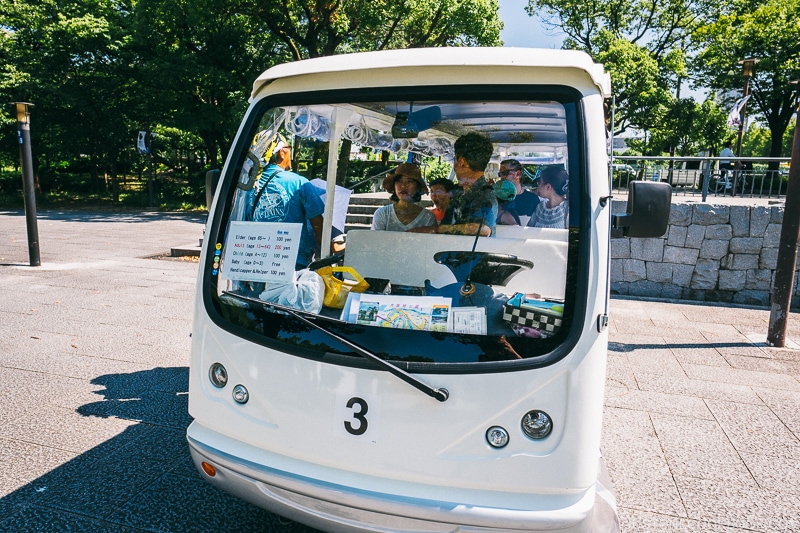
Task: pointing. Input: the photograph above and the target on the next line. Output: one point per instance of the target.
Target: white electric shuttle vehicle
(462, 390)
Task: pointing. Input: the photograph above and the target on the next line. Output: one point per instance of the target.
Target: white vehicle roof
(419, 65)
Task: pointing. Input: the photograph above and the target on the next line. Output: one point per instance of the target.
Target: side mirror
(648, 210)
(212, 179)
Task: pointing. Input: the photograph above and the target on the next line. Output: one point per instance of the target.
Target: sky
(523, 30)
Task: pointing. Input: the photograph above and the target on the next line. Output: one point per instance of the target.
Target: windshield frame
(579, 236)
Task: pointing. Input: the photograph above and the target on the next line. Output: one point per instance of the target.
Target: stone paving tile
(657, 402)
(762, 364)
(700, 356)
(27, 461)
(736, 376)
(220, 512)
(697, 388)
(720, 333)
(44, 520)
(699, 448)
(654, 361)
(63, 429)
(784, 404)
(69, 364)
(783, 354)
(638, 469)
(755, 429)
(772, 475)
(635, 521)
(743, 507)
(619, 373)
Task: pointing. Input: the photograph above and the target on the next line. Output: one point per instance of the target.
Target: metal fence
(702, 176)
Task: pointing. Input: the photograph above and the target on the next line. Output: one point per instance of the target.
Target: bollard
(24, 131)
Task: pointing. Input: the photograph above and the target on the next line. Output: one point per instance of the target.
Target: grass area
(81, 191)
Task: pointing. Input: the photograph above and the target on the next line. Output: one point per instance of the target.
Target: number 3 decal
(357, 416)
(360, 408)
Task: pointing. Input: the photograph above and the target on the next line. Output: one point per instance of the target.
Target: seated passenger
(506, 195)
(553, 209)
(525, 201)
(473, 208)
(441, 192)
(406, 186)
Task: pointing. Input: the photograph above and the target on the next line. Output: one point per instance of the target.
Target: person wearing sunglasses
(526, 201)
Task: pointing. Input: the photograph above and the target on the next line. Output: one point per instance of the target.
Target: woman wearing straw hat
(406, 186)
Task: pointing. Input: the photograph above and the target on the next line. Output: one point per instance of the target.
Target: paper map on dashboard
(425, 313)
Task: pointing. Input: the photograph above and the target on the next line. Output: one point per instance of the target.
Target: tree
(641, 100)
(656, 25)
(67, 56)
(641, 44)
(195, 65)
(314, 28)
(768, 31)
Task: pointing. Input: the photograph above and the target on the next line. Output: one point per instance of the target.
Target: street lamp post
(781, 298)
(24, 134)
(748, 65)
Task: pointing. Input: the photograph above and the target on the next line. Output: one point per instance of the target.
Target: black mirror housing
(648, 210)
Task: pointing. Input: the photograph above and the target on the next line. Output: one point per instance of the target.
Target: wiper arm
(440, 394)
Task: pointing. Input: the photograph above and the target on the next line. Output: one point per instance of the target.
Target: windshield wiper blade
(440, 393)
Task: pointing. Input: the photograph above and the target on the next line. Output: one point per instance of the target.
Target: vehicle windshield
(430, 226)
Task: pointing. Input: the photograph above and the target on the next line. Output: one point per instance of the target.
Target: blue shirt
(476, 205)
(288, 197)
(525, 203)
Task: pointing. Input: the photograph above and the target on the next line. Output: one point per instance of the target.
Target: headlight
(537, 424)
(496, 436)
(218, 375)
(240, 394)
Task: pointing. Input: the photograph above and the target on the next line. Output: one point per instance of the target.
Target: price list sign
(261, 251)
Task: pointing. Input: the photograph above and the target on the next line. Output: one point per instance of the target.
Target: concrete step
(365, 219)
(355, 209)
(348, 226)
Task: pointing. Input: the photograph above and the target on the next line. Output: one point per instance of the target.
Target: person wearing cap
(553, 209)
(473, 208)
(283, 196)
(525, 201)
(406, 186)
(506, 194)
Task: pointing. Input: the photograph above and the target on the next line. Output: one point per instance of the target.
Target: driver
(473, 208)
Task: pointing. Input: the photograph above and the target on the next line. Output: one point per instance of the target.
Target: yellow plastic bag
(336, 290)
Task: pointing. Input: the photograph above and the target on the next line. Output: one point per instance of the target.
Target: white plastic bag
(306, 292)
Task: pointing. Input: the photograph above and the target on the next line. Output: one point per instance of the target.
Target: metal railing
(702, 176)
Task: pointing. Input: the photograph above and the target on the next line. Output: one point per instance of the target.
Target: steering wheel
(488, 268)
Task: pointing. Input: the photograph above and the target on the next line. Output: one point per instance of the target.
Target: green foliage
(642, 102)
(312, 29)
(766, 30)
(100, 71)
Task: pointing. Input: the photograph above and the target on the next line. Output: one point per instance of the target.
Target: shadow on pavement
(142, 479)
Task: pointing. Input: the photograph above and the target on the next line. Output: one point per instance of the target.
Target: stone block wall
(715, 253)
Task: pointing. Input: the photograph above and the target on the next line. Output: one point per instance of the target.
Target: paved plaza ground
(701, 429)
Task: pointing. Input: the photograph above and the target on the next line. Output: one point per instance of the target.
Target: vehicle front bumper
(337, 508)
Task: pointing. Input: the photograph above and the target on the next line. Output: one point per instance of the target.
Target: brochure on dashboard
(424, 313)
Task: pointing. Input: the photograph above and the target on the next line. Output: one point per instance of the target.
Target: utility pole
(24, 133)
(787, 249)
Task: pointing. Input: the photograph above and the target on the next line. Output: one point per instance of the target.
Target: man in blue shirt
(283, 196)
(526, 201)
